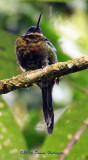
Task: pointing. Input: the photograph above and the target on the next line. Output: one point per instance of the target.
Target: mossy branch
(59, 69)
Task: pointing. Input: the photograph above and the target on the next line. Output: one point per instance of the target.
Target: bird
(35, 51)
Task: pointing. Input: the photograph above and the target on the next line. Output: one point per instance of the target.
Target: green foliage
(32, 136)
(8, 62)
(65, 128)
(11, 138)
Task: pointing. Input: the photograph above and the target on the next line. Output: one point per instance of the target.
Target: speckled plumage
(34, 51)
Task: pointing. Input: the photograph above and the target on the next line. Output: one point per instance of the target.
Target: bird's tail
(48, 106)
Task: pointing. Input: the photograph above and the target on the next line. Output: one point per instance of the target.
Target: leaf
(11, 138)
(31, 134)
(69, 123)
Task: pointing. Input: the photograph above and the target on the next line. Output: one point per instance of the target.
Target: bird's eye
(33, 29)
(38, 30)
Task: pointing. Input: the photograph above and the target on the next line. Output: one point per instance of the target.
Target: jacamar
(35, 51)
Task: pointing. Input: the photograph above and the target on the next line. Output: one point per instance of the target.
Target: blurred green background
(22, 126)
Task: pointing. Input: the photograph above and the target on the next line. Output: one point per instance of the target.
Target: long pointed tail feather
(50, 110)
(48, 106)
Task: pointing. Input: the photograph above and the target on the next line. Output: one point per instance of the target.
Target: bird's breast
(30, 46)
(31, 52)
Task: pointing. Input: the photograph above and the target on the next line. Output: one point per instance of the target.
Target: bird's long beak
(37, 25)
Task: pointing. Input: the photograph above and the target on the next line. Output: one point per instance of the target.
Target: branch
(74, 140)
(59, 69)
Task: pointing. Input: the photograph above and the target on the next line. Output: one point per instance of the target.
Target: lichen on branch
(59, 69)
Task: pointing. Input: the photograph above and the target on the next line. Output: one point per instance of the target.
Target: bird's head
(34, 29)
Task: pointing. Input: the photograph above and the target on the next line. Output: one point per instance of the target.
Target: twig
(51, 71)
(74, 140)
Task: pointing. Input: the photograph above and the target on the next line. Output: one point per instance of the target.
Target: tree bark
(59, 69)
